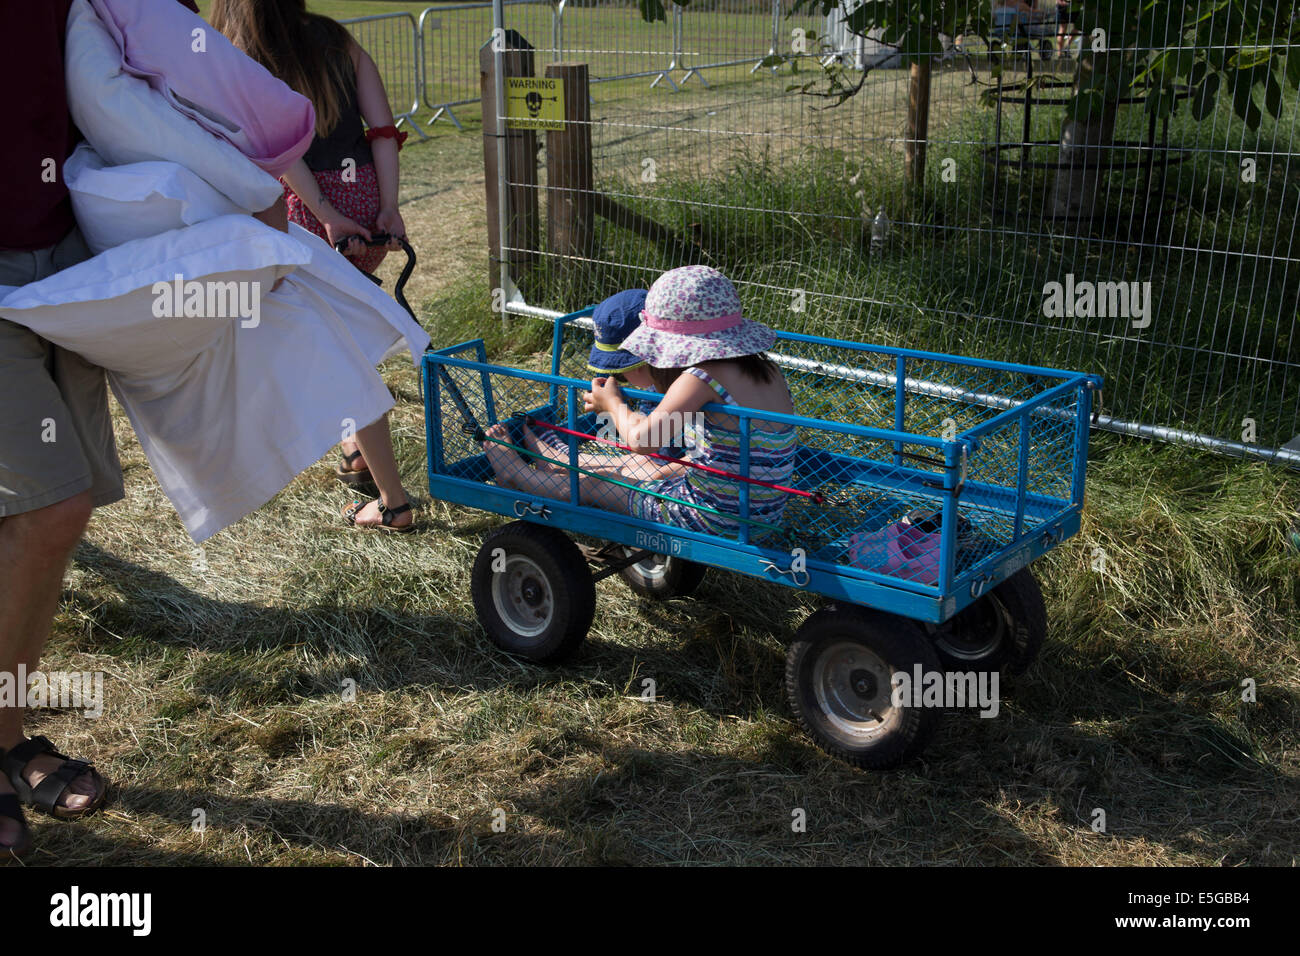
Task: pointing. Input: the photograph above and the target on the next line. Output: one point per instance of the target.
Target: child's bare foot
(506, 463)
(548, 454)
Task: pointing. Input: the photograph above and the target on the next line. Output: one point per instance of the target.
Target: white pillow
(116, 204)
(127, 121)
(122, 296)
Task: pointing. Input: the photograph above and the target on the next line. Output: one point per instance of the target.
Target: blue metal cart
(926, 485)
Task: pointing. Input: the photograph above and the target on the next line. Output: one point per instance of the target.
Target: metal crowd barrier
(393, 42)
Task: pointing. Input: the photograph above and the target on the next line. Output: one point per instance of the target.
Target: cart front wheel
(1004, 630)
(532, 592)
(838, 678)
(661, 577)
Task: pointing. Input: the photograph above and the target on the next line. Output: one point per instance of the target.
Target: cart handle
(383, 239)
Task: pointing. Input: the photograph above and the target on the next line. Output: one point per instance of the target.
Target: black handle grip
(382, 239)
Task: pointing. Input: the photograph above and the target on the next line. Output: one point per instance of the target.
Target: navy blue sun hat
(615, 319)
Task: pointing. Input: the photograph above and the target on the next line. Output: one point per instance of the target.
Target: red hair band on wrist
(375, 132)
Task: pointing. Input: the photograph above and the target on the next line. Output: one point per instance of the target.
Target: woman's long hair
(278, 35)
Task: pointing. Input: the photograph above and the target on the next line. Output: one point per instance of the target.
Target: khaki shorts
(56, 435)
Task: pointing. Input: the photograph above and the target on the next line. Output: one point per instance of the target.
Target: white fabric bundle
(115, 204)
(232, 388)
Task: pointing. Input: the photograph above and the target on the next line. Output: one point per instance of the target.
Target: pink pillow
(224, 91)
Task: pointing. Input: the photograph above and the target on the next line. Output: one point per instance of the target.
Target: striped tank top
(771, 459)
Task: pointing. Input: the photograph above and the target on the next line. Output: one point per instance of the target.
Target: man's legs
(34, 552)
(57, 461)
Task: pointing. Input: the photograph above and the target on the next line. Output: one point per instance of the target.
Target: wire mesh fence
(1177, 281)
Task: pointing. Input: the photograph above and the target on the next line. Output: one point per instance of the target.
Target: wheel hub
(852, 686)
(863, 684)
(523, 597)
(975, 633)
(652, 568)
(531, 591)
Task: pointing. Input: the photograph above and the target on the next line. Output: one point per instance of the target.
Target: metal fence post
(776, 36)
(498, 41)
(672, 57)
(557, 32)
(378, 50)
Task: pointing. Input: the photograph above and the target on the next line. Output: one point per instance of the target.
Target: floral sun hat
(693, 315)
(615, 319)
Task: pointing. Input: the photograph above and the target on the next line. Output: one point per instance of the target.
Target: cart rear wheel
(1004, 630)
(533, 592)
(838, 678)
(661, 577)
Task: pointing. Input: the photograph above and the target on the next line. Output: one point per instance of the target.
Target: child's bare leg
(512, 472)
(611, 465)
(641, 468)
(510, 469)
(546, 452)
(376, 444)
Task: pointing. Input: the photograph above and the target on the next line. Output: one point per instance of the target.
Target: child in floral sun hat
(701, 350)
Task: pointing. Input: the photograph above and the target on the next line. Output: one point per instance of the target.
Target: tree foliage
(1243, 49)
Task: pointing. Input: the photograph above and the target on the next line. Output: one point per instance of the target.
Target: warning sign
(534, 103)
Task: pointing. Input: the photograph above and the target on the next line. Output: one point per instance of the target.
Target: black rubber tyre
(538, 601)
(661, 577)
(1004, 630)
(838, 679)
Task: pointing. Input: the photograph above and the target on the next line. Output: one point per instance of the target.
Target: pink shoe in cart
(907, 549)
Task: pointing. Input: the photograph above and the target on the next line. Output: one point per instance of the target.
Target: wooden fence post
(918, 125)
(569, 178)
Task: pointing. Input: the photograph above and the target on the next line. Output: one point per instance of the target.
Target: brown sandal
(386, 516)
(349, 476)
(45, 795)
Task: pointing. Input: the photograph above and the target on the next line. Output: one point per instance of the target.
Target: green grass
(225, 676)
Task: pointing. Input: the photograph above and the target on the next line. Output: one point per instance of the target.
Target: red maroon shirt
(35, 210)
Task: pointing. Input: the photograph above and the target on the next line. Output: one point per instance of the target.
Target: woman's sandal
(45, 795)
(386, 516)
(345, 473)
